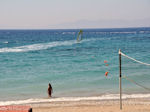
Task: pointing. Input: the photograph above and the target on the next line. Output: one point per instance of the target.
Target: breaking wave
(64, 99)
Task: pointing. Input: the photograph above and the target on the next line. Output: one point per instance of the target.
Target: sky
(73, 14)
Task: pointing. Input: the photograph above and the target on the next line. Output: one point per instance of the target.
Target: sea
(31, 59)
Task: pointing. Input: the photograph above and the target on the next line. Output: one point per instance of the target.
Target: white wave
(40, 46)
(64, 99)
(68, 33)
(36, 46)
(43, 46)
(6, 42)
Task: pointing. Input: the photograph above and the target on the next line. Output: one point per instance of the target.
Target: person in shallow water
(50, 90)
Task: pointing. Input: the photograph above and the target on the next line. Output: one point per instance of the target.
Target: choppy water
(30, 59)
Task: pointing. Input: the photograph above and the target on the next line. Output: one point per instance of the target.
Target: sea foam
(64, 99)
(41, 46)
(34, 47)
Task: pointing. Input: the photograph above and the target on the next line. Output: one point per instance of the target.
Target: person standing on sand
(50, 90)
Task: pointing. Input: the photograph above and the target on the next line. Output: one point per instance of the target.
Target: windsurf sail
(79, 37)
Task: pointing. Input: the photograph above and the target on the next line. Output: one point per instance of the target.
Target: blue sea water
(30, 59)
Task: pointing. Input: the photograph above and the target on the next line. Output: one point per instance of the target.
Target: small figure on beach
(50, 90)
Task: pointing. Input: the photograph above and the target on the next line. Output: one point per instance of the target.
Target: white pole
(120, 79)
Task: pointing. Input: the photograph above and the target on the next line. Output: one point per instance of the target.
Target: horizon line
(69, 28)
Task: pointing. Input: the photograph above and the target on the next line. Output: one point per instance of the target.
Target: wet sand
(129, 105)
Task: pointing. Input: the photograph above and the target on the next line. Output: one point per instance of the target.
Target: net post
(120, 84)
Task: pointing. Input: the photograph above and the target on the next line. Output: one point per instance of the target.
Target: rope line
(135, 59)
(136, 83)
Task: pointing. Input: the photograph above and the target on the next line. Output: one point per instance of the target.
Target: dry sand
(129, 105)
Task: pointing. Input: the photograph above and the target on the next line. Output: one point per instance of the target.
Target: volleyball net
(136, 73)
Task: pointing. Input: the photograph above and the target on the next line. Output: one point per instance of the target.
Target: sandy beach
(129, 105)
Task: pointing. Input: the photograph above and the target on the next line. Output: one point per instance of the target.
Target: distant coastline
(115, 28)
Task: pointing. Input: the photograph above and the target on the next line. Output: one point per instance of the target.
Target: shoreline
(106, 97)
(107, 105)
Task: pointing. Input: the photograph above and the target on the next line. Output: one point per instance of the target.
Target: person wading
(50, 90)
